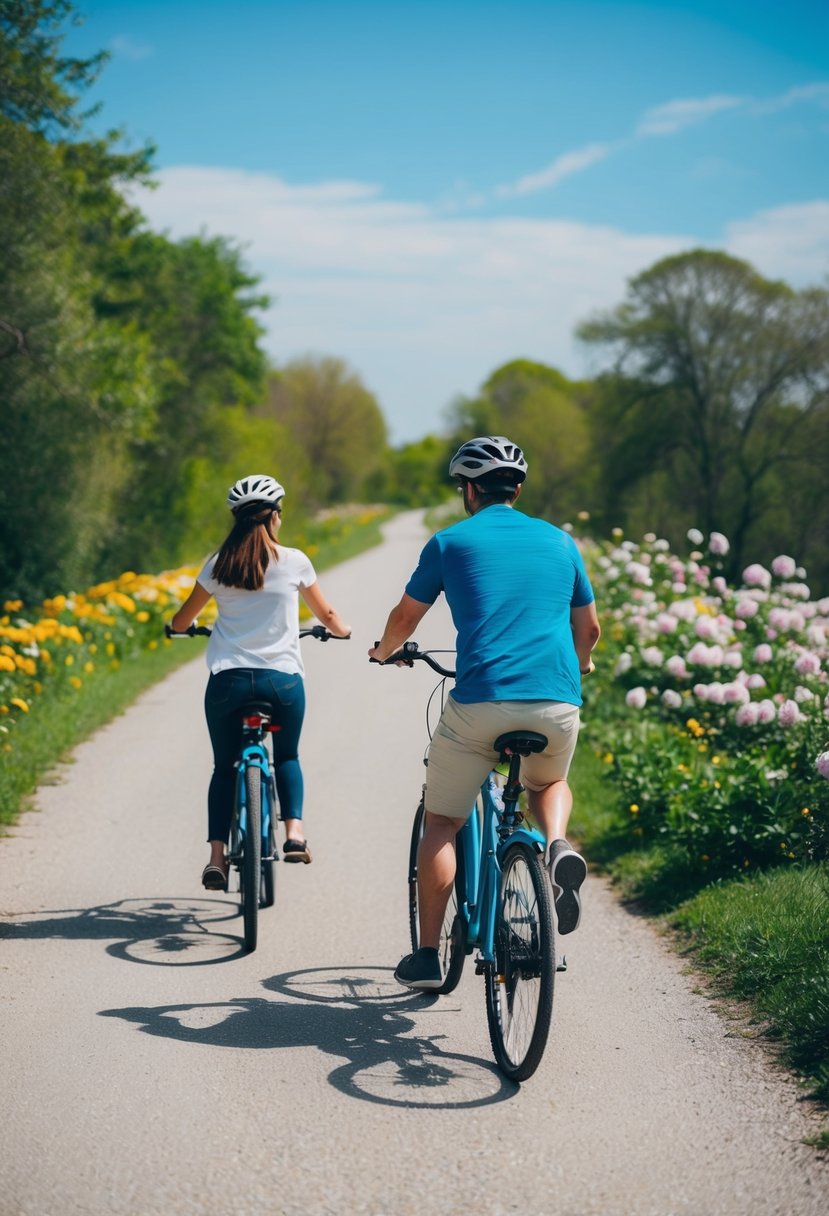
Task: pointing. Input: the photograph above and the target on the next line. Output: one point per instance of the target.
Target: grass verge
(762, 938)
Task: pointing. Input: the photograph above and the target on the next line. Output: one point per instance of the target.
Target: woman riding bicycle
(254, 655)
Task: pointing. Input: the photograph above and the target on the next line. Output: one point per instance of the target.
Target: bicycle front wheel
(452, 944)
(519, 990)
(251, 858)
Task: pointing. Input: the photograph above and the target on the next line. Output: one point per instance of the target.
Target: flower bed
(58, 647)
(710, 703)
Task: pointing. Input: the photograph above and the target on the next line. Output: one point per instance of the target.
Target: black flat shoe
(296, 850)
(213, 878)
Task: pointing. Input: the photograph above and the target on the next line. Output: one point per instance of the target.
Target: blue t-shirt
(510, 582)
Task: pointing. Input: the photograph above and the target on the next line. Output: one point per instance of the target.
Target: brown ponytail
(246, 553)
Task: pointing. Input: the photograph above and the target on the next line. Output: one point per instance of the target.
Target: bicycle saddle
(521, 742)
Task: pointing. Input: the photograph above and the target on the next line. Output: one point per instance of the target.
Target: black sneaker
(568, 871)
(420, 970)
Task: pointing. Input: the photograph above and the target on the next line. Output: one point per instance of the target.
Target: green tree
(717, 372)
(334, 421)
(547, 414)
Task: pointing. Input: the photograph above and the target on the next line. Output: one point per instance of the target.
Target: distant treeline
(134, 387)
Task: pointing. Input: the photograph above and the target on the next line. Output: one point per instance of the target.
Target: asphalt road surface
(150, 1068)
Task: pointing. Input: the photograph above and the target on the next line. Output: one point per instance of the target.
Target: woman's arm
(190, 609)
(322, 610)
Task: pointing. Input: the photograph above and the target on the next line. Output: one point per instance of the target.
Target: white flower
(635, 698)
(695, 536)
(623, 664)
(671, 699)
(718, 544)
(822, 764)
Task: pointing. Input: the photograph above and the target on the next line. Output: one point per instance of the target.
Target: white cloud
(122, 44)
(790, 243)
(424, 305)
(564, 166)
(676, 115)
(817, 92)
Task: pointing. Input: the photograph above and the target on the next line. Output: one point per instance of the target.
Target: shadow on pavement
(359, 1014)
(160, 932)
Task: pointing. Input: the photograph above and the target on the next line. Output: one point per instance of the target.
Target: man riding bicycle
(526, 621)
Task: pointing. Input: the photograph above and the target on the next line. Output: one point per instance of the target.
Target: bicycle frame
(255, 755)
(480, 846)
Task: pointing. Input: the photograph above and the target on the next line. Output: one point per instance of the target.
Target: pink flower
(822, 764)
(736, 694)
(784, 566)
(635, 698)
(720, 585)
(716, 693)
(718, 544)
(807, 664)
(756, 576)
(789, 714)
(766, 712)
(701, 692)
(675, 666)
(666, 623)
(746, 609)
(671, 699)
(747, 715)
(763, 653)
(755, 681)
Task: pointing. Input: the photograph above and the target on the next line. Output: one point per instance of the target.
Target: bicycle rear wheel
(252, 853)
(268, 885)
(452, 944)
(519, 990)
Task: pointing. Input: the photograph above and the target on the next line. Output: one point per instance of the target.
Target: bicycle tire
(267, 892)
(452, 944)
(519, 989)
(251, 872)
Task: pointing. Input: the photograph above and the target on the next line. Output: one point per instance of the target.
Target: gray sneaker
(568, 871)
(420, 970)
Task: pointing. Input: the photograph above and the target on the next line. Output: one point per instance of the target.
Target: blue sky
(430, 189)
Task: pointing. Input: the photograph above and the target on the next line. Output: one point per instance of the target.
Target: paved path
(150, 1069)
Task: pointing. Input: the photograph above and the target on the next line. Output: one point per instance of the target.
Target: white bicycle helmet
(488, 454)
(256, 488)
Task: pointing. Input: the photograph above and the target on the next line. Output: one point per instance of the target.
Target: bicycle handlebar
(314, 631)
(408, 653)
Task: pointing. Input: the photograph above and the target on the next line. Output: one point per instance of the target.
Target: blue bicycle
(501, 904)
(252, 849)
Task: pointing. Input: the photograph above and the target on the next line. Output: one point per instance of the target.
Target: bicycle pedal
(561, 965)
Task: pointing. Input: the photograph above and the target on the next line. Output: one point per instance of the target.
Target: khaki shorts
(461, 753)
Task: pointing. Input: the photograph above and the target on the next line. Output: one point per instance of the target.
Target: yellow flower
(89, 667)
(6, 664)
(38, 687)
(75, 681)
(153, 645)
(805, 811)
(716, 759)
(12, 605)
(69, 660)
(142, 616)
(608, 757)
(634, 808)
(110, 648)
(20, 704)
(4, 709)
(705, 857)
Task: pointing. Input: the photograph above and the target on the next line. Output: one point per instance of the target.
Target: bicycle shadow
(357, 1014)
(159, 932)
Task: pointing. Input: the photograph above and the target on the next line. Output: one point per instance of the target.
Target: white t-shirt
(259, 628)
